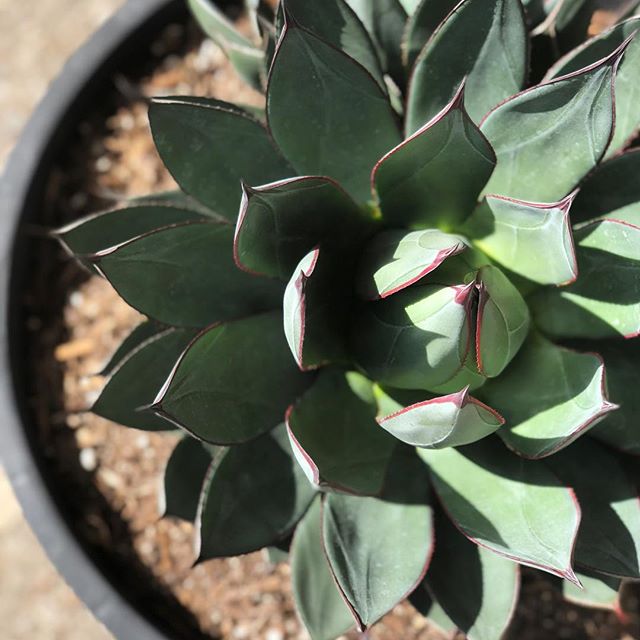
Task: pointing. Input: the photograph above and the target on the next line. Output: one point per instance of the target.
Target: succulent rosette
(395, 310)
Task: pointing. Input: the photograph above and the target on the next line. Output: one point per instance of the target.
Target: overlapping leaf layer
(388, 312)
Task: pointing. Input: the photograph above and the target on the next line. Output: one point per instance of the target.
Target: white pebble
(274, 634)
(88, 459)
(76, 299)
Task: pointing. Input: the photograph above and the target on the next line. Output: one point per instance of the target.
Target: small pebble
(88, 459)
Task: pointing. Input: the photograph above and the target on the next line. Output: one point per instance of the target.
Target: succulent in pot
(393, 314)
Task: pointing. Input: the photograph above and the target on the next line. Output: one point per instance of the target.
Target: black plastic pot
(22, 196)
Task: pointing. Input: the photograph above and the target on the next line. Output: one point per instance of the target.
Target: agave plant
(389, 312)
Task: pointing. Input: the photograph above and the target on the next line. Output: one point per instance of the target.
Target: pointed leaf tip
(446, 421)
(502, 502)
(395, 260)
(585, 99)
(434, 176)
(551, 397)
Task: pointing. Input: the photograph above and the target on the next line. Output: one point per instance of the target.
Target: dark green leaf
(493, 60)
(531, 239)
(612, 191)
(316, 308)
(502, 321)
(337, 24)
(329, 116)
(318, 601)
(253, 496)
(426, 18)
(184, 478)
(549, 397)
(335, 436)
(234, 382)
(379, 548)
(563, 129)
(444, 421)
(626, 84)
(416, 339)
(620, 428)
(135, 382)
(100, 231)
(280, 223)
(503, 503)
(185, 276)
(609, 537)
(605, 299)
(476, 588)
(210, 147)
(394, 260)
(434, 177)
(140, 334)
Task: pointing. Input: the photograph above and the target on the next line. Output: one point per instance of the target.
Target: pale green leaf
(318, 601)
(549, 396)
(445, 421)
(530, 239)
(605, 299)
(394, 260)
(502, 502)
(563, 129)
(379, 548)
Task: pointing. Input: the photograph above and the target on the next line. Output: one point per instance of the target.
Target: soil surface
(77, 321)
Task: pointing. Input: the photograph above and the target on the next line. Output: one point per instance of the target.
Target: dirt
(112, 472)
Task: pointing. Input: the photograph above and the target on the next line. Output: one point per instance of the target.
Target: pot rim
(21, 189)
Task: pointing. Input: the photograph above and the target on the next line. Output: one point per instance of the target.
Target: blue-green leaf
(609, 537)
(626, 83)
(502, 321)
(394, 260)
(445, 421)
(244, 55)
(605, 299)
(612, 191)
(416, 339)
(549, 396)
(318, 601)
(502, 502)
(183, 479)
(620, 428)
(423, 21)
(531, 239)
(476, 588)
(337, 24)
(379, 548)
(563, 130)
